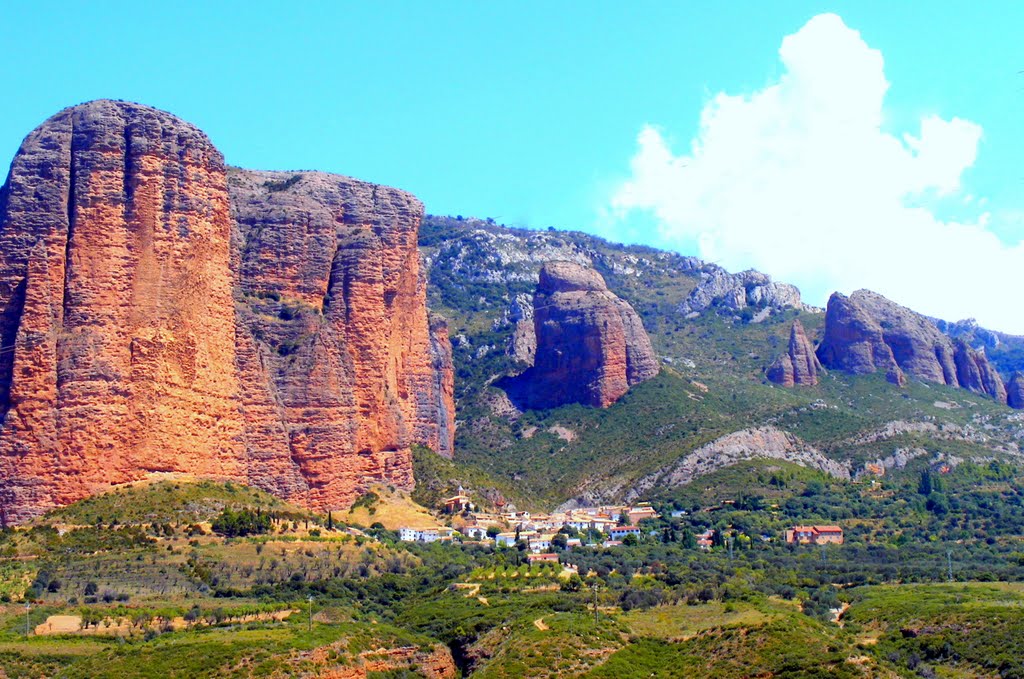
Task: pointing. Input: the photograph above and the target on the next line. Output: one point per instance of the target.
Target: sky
(832, 145)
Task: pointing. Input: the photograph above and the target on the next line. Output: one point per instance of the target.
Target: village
(604, 526)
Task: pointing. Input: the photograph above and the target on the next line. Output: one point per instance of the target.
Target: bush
(240, 523)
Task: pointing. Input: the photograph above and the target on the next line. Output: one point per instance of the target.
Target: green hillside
(712, 381)
(182, 597)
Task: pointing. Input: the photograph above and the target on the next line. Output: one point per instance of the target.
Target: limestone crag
(522, 345)
(738, 291)
(1015, 391)
(748, 444)
(867, 332)
(591, 345)
(799, 365)
(151, 322)
(438, 427)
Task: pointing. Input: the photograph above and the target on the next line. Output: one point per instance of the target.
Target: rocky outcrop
(114, 243)
(332, 296)
(339, 661)
(748, 444)
(799, 365)
(867, 332)
(591, 345)
(975, 373)
(522, 344)
(738, 291)
(1015, 391)
(438, 427)
(123, 353)
(854, 341)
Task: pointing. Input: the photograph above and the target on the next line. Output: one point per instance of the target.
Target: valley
(287, 424)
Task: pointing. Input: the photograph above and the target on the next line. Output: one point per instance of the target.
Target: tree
(938, 504)
(560, 541)
(573, 583)
(924, 486)
(239, 523)
(631, 540)
(493, 532)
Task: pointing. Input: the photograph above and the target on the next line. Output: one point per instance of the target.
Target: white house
(620, 532)
(424, 535)
(506, 539)
(476, 532)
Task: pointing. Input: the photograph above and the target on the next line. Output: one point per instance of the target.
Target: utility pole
(949, 564)
(593, 588)
(28, 608)
(311, 613)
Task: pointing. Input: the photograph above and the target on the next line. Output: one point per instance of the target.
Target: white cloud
(800, 180)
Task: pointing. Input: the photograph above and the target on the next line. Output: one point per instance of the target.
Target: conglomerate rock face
(591, 345)
(118, 323)
(138, 335)
(331, 294)
(867, 332)
(799, 365)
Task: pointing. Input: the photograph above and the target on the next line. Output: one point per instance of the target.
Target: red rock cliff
(867, 332)
(122, 352)
(340, 370)
(591, 345)
(118, 328)
(799, 365)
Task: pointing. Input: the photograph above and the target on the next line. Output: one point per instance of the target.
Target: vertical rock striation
(799, 365)
(867, 332)
(591, 345)
(975, 373)
(332, 300)
(854, 341)
(152, 322)
(118, 326)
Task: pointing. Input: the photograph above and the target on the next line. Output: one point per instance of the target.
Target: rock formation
(768, 443)
(739, 291)
(1015, 391)
(867, 332)
(853, 341)
(975, 373)
(799, 365)
(591, 345)
(331, 294)
(123, 353)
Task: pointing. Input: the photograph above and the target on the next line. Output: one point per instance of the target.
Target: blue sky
(544, 114)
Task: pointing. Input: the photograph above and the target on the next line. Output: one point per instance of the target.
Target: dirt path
(470, 588)
(72, 624)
